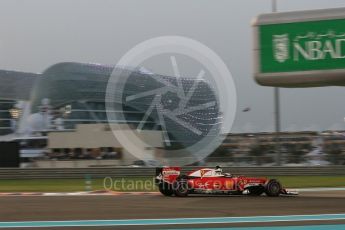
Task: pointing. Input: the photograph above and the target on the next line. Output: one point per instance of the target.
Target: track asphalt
(153, 206)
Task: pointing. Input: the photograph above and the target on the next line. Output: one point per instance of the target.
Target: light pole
(276, 107)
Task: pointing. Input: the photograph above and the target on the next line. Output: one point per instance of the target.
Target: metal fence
(51, 173)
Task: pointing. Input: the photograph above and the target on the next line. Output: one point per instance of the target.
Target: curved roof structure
(185, 117)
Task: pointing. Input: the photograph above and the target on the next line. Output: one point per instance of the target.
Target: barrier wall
(50, 173)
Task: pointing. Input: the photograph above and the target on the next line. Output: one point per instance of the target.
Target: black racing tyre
(273, 188)
(165, 189)
(180, 188)
(256, 190)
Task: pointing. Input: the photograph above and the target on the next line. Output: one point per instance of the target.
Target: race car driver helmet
(218, 170)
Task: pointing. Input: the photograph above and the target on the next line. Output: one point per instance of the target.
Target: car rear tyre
(181, 188)
(165, 189)
(273, 188)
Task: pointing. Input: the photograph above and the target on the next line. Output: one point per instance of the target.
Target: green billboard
(300, 49)
(316, 45)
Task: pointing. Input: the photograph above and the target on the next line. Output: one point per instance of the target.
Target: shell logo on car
(229, 184)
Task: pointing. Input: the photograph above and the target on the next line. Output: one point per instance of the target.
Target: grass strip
(142, 184)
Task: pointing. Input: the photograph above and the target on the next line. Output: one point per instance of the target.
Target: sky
(36, 34)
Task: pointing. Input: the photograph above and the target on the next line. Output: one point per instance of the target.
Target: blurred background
(52, 101)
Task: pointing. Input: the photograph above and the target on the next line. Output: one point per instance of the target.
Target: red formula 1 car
(213, 181)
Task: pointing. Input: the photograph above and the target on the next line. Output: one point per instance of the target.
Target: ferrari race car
(213, 181)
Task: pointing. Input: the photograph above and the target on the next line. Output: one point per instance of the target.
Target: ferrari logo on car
(203, 172)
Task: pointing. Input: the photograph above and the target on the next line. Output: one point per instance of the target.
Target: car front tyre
(273, 188)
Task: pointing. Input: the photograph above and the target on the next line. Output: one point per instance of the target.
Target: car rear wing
(167, 174)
